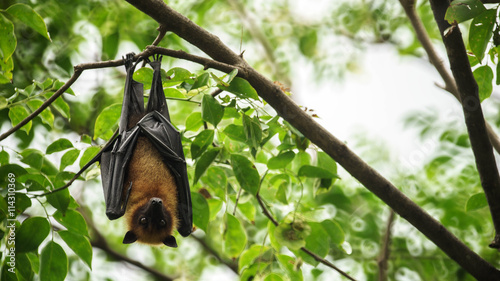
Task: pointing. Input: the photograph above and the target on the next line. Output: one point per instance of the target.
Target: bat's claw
(128, 60)
(156, 63)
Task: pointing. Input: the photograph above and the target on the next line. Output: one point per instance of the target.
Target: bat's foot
(128, 60)
(156, 63)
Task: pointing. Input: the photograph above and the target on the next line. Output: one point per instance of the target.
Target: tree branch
(384, 253)
(162, 31)
(468, 90)
(150, 50)
(451, 86)
(48, 102)
(305, 250)
(286, 108)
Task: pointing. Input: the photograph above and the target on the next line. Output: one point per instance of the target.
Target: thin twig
(230, 265)
(162, 31)
(216, 92)
(384, 253)
(305, 250)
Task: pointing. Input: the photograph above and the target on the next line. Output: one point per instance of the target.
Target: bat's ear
(130, 237)
(170, 241)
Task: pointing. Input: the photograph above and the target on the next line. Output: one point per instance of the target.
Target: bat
(143, 168)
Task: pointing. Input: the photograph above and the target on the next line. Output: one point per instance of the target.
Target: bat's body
(143, 169)
(150, 178)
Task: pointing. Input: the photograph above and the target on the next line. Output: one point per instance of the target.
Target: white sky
(373, 101)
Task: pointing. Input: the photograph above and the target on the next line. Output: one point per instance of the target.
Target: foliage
(242, 158)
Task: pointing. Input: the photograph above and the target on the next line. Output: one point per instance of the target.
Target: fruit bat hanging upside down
(143, 169)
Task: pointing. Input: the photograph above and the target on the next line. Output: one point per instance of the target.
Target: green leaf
(216, 178)
(145, 76)
(59, 200)
(4, 158)
(235, 237)
(289, 265)
(315, 172)
(241, 88)
(484, 79)
(202, 141)
(201, 211)
(219, 81)
(46, 115)
(53, 263)
(281, 161)
(211, 110)
(79, 244)
(194, 121)
(281, 193)
(481, 30)
(88, 154)
(235, 132)
(201, 81)
(6, 275)
(9, 41)
(325, 161)
(249, 256)
(31, 18)
(17, 114)
(204, 162)
(292, 232)
(335, 232)
(215, 205)
(273, 277)
(59, 145)
(476, 202)
(32, 157)
(86, 139)
(176, 76)
(73, 221)
(498, 74)
(246, 173)
(31, 234)
(60, 105)
(3, 102)
(308, 42)
(23, 266)
(253, 131)
(315, 242)
(248, 210)
(110, 44)
(271, 229)
(462, 10)
(173, 93)
(107, 121)
(69, 158)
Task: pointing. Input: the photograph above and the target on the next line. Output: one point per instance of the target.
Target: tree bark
(474, 119)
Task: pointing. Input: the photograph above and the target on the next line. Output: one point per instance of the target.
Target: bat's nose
(156, 201)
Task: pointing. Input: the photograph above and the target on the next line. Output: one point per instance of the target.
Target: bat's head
(151, 223)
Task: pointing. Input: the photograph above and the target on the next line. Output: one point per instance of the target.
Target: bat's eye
(162, 223)
(143, 220)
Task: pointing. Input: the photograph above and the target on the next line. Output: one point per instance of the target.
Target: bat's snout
(155, 201)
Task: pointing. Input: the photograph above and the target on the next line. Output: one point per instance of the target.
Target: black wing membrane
(156, 126)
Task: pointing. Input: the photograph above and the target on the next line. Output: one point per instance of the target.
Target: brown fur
(150, 177)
